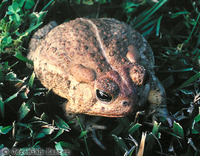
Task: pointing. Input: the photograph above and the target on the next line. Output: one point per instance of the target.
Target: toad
(102, 67)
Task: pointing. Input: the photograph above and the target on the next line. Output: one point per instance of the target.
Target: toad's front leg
(157, 99)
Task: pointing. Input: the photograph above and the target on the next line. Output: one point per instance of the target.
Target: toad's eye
(103, 96)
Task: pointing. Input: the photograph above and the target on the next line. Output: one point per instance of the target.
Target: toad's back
(81, 57)
(99, 44)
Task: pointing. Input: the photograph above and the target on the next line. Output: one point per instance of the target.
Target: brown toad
(101, 66)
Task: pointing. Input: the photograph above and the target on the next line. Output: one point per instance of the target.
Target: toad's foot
(160, 113)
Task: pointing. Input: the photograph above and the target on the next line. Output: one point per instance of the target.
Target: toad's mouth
(112, 113)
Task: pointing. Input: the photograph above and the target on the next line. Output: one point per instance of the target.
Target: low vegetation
(30, 119)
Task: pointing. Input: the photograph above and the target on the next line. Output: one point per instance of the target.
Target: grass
(30, 115)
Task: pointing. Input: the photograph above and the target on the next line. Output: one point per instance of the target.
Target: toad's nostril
(125, 103)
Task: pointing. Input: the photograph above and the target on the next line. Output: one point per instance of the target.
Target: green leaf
(46, 6)
(194, 27)
(133, 128)
(178, 70)
(22, 58)
(60, 149)
(197, 118)
(10, 10)
(13, 10)
(31, 80)
(12, 77)
(189, 81)
(15, 7)
(130, 7)
(61, 124)
(155, 128)
(37, 17)
(24, 110)
(45, 117)
(120, 143)
(83, 133)
(2, 111)
(187, 91)
(7, 40)
(11, 97)
(31, 29)
(158, 26)
(196, 125)
(29, 4)
(60, 131)
(146, 15)
(36, 144)
(178, 130)
(44, 132)
(68, 145)
(21, 3)
(179, 13)
(196, 128)
(15, 17)
(5, 130)
(88, 2)
(40, 135)
(47, 131)
(147, 32)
